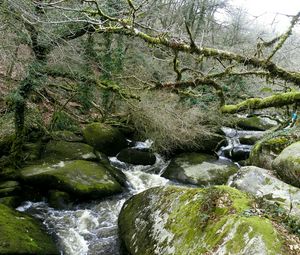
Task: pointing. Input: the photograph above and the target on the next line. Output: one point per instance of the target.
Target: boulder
(173, 220)
(11, 201)
(261, 183)
(56, 151)
(238, 152)
(9, 188)
(250, 137)
(136, 157)
(287, 164)
(199, 169)
(104, 138)
(265, 151)
(82, 179)
(256, 123)
(59, 199)
(67, 136)
(22, 234)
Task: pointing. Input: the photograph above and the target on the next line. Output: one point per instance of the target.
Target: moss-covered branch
(195, 83)
(277, 100)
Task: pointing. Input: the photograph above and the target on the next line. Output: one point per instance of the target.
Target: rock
(256, 123)
(238, 153)
(199, 169)
(12, 201)
(66, 136)
(260, 182)
(250, 137)
(82, 179)
(116, 173)
(173, 220)
(59, 199)
(265, 151)
(287, 164)
(104, 138)
(136, 157)
(9, 188)
(57, 151)
(21, 234)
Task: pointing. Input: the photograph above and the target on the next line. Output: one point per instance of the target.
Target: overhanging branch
(261, 103)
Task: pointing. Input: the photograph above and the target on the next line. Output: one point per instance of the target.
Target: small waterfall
(91, 228)
(234, 149)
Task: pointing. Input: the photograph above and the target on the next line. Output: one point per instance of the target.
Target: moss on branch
(277, 100)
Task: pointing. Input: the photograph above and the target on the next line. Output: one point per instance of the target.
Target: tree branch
(261, 103)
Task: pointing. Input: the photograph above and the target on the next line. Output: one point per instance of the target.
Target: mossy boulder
(287, 164)
(21, 234)
(136, 157)
(11, 201)
(262, 183)
(250, 138)
(9, 188)
(67, 136)
(172, 220)
(104, 138)
(256, 123)
(199, 169)
(56, 151)
(82, 179)
(267, 149)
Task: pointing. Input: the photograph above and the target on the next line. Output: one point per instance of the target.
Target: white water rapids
(91, 228)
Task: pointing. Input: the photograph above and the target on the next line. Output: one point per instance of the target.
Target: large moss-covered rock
(104, 138)
(21, 234)
(266, 150)
(136, 157)
(82, 179)
(287, 164)
(262, 183)
(178, 221)
(56, 151)
(199, 169)
(256, 123)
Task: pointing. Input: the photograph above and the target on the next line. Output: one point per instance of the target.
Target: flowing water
(91, 228)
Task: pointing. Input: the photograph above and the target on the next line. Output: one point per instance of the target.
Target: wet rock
(199, 169)
(256, 123)
(262, 183)
(238, 152)
(287, 164)
(104, 138)
(136, 157)
(57, 151)
(172, 220)
(82, 179)
(21, 234)
(59, 199)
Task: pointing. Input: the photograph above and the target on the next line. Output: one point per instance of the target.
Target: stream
(91, 228)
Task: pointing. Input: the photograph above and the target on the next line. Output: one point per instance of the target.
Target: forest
(148, 127)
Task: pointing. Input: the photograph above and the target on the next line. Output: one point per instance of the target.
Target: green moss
(21, 234)
(104, 138)
(193, 221)
(80, 178)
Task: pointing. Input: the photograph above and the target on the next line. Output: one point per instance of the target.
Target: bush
(171, 125)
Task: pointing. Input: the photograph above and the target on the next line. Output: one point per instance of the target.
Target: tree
(53, 23)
